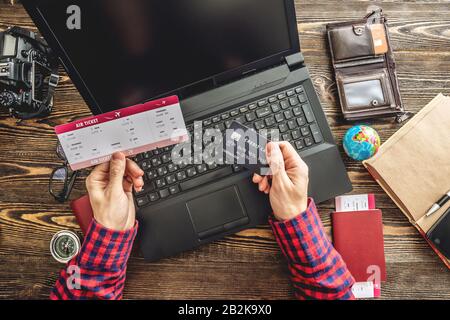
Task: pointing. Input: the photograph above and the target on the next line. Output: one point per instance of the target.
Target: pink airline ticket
(140, 128)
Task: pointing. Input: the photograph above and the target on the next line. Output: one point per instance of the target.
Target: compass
(64, 246)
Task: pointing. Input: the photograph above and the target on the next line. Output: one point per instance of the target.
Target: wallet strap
(374, 15)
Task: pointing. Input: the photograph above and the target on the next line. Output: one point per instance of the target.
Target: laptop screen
(126, 52)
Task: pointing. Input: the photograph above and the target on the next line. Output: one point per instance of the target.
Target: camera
(28, 74)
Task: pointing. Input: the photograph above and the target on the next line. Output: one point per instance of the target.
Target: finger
(290, 155)
(117, 171)
(295, 166)
(98, 177)
(257, 178)
(131, 211)
(276, 162)
(266, 186)
(100, 170)
(135, 174)
(287, 148)
(265, 189)
(136, 187)
(261, 187)
(133, 170)
(127, 185)
(138, 182)
(263, 184)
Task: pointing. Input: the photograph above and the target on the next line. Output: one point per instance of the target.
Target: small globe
(361, 142)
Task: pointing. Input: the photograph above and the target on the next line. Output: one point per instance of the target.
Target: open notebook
(413, 166)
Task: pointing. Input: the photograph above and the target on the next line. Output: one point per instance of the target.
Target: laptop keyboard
(288, 111)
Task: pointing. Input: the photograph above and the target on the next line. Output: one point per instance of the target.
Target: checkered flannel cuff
(302, 239)
(105, 249)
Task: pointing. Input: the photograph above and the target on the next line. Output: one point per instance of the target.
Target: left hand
(110, 187)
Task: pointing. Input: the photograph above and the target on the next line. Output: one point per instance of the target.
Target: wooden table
(248, 265)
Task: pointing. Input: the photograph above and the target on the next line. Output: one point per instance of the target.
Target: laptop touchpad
(212, 213)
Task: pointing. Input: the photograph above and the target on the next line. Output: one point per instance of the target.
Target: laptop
(225, 60)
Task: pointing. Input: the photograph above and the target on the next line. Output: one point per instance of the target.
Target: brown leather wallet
(364, 68)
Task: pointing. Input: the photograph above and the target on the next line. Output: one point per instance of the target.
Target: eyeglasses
(62, 178)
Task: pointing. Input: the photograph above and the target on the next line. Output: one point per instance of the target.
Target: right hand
(288, 191)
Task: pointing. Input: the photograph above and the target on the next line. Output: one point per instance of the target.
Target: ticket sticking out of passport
(140, 128)
(246, 147)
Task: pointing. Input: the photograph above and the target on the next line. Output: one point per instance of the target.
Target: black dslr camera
(28, 74)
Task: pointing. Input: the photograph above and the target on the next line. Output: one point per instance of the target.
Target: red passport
(358, 237)
(83, 212)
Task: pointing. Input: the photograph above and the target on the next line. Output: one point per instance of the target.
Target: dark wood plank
(247, 265)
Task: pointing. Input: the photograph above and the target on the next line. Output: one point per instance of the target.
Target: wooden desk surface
(248, 265)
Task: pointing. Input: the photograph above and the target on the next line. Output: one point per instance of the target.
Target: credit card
(244, 146)
(379, 38)
(140, 128)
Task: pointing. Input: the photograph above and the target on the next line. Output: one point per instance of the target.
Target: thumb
(276, 161)
(117, 171)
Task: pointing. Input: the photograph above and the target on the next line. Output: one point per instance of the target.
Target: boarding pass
(140, 128)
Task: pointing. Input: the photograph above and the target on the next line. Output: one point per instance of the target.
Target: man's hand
(288, 191)
(110, 187)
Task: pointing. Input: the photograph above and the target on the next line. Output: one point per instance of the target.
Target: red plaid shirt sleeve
(317, 269)
(98, 271)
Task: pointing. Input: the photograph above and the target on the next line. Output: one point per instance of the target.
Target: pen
(436, 206)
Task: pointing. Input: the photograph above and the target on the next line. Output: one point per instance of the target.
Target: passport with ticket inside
(358, 237)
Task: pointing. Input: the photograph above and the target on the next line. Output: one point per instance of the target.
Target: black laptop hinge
(295, 61)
